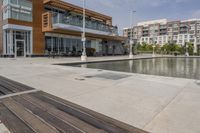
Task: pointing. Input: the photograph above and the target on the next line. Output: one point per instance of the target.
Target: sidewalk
(153, 103)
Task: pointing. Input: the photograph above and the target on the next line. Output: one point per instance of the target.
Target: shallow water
(170, 67)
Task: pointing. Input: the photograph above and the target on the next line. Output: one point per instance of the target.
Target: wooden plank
(71, 120)
(33, 121)
(47, 117)
(17, 85)
(5, 91)
(14, 124)
(8, 87)
(95, 119)
(16, 94)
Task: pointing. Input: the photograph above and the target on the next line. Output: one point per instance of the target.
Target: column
(64, 45)
(11, 43)
(51, 44)
(25, 44)
(4, 42)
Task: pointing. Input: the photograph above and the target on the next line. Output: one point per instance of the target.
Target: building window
(191, 40)
(17, 9)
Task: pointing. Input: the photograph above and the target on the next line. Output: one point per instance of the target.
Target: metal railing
(78, 21)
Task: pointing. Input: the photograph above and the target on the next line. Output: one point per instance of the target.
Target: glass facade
(71, 18)
(71, 46)
(17, 9)
(17, 42)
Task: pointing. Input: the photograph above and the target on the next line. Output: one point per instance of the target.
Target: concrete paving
(3, 129)
(153, 103)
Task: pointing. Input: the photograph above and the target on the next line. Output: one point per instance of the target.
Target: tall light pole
(186, 50)
(84, 54)
(153, 55)
(131, 35)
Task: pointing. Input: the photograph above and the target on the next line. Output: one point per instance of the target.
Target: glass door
(20, 48)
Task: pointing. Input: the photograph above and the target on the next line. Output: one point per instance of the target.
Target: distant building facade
(40, 27)
(163, 31)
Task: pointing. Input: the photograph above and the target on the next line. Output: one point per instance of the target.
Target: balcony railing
(58, 18)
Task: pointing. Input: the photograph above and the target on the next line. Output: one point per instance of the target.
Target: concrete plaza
(153, 103)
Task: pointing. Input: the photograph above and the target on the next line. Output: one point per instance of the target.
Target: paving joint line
(18, 93)
(165, 107)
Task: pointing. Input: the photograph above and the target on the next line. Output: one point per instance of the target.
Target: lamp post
(84, 54)
(186, 51)
(153, 55)
(131, 35)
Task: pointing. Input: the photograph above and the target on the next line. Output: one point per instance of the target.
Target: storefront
(17, 41)
(70, 45)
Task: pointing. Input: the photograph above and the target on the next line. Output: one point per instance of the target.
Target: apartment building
(163, 31)
(38, 27)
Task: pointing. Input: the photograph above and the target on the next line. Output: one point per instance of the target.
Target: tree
(190, 47)
(165, 48)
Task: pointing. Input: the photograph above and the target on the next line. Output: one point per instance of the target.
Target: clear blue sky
(146, 9)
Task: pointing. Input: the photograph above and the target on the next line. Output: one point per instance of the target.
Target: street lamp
(153, 55)
(84, 54)
(186, 51)
(131, 35)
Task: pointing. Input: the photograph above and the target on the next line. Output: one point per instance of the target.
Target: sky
(145, 10)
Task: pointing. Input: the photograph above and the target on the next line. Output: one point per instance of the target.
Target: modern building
(40, 27)
(163, 31)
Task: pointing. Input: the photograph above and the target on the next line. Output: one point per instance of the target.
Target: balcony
(75, 23)
(163, 32)
(162, 27)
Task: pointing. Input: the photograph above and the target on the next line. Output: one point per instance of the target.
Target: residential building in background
(163, 31)
(38, 27)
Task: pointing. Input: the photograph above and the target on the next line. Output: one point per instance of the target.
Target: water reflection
(84, 65)
(173, 67)
(131, 66)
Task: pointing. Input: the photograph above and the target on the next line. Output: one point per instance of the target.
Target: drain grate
(112, 76)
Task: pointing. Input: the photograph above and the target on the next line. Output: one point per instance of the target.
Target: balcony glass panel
(77, 20)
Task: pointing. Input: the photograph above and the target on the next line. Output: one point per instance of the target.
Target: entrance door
(20, 48)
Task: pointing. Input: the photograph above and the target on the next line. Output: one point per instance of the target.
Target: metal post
(153, 55)
(186, 51)
(84, 55)
(24, 33)
(131, 35)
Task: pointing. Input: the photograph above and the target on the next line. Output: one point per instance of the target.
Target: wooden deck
(39, 112)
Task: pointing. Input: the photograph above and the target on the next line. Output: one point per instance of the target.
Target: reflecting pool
(170, 67)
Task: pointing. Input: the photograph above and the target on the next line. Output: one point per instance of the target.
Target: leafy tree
(190, 48)
(165, 49)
